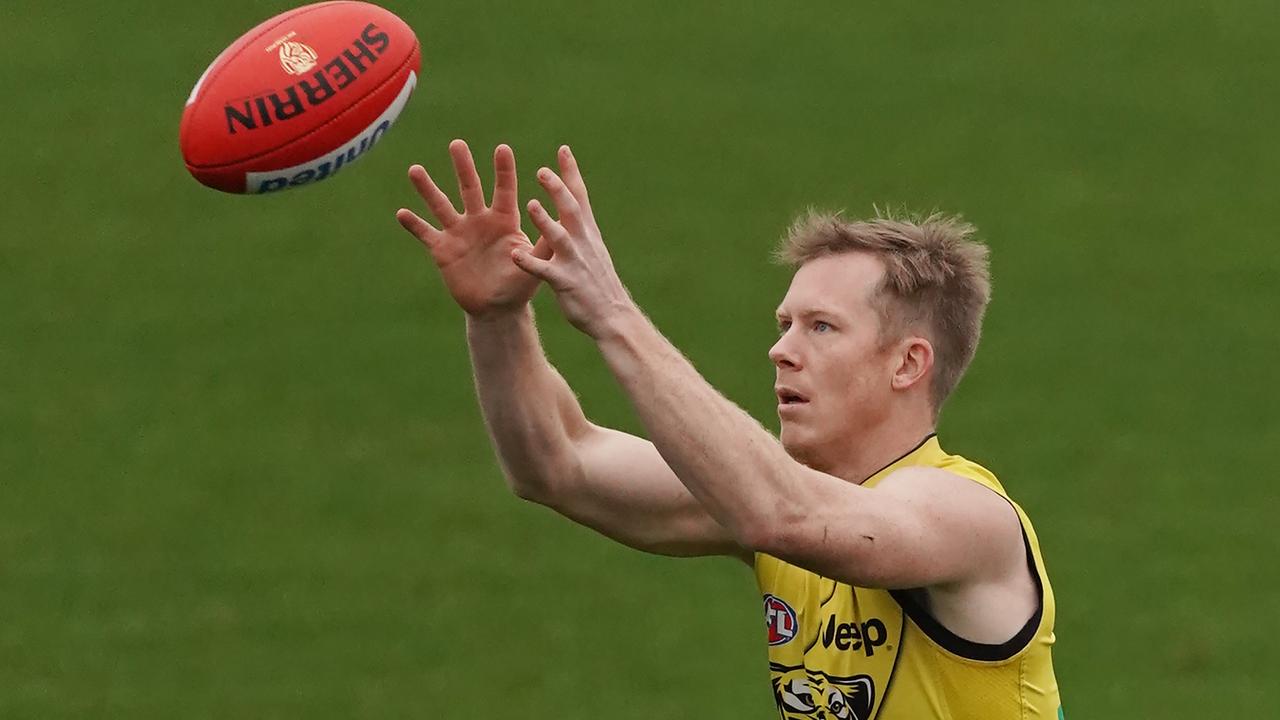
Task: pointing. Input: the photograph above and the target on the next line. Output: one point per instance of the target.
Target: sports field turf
(242, 472)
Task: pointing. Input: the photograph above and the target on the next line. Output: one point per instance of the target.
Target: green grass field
(242, 471)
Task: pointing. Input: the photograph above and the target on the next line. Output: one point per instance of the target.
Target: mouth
(789, 397)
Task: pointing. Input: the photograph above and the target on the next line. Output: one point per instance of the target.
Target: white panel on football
(328, 164)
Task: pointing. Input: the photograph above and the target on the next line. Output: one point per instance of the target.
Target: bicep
(921, 527)
(624, 490)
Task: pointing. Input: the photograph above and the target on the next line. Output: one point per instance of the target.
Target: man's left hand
(580, 270)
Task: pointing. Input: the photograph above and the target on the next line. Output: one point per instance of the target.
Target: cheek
(860, 381)
(859, 387)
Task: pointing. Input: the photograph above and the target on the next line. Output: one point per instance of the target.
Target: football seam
(363, 98)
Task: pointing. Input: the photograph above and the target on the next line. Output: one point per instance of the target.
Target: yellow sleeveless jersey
(841, 652)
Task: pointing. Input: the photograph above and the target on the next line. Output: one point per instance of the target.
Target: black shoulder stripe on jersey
(957, 645)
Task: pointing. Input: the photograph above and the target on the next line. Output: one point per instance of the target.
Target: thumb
(525, 259)
(542, 249)
(419, 228)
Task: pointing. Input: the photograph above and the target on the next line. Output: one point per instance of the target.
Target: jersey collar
(928, 452)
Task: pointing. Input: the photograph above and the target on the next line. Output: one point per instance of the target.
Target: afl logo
(296, 58)
(779, 620)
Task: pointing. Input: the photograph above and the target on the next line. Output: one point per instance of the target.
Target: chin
(799, 448)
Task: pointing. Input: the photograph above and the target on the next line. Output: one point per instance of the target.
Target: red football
(299, 97)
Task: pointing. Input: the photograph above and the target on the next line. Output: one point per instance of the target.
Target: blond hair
(936, 278)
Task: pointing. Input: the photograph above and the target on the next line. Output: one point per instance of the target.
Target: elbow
(769, 537)
(544, 485)
(758, 538)
(546, 471)
(774, 531)
(531, 487)
(777, 519)
(534, 492)
(808, 539)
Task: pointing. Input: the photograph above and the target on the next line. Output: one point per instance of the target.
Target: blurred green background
(242, 471)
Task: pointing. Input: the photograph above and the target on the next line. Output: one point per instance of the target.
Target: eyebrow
(810, 312)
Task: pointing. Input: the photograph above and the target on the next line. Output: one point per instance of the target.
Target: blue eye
(821, 327)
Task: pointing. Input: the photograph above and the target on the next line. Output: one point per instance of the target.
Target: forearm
(529, 410)
(727, 460)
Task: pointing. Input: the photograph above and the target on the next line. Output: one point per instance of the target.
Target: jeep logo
(853, 636)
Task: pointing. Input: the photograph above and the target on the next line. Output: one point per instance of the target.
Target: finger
(504, 184)
(439, 204)
(553, 233)
(468, 180)
(567, 206)
(572, 177)
(544, 270)
(418, 227)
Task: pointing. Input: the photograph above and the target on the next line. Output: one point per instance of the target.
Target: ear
(914, 358)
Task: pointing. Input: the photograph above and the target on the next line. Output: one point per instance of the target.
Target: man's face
(833, 375)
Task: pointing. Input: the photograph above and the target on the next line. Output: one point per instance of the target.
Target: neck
(876, 447)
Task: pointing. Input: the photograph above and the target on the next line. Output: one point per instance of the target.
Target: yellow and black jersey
(841, 652)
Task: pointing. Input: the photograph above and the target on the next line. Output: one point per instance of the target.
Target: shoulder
(952, 483)
(961, 506)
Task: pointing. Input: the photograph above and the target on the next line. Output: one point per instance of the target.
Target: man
(898, 581)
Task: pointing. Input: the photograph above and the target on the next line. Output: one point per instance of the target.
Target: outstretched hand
(473, 248)
(579, 268)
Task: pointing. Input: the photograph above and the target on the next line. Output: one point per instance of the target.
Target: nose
(783, 354)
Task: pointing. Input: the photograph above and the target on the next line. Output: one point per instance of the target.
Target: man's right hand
(473, 249)
(608, 480)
